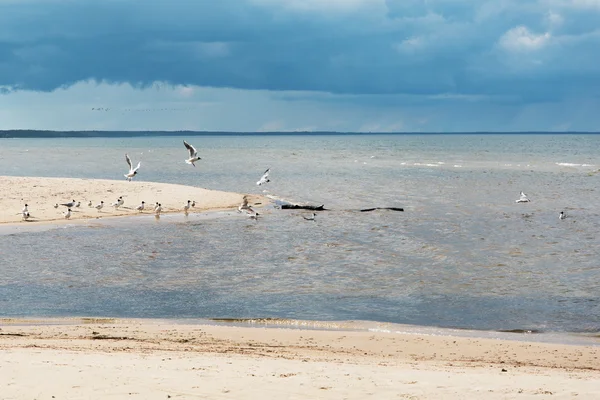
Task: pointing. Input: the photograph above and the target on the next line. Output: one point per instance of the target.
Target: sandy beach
(158, 359)
(41, 194)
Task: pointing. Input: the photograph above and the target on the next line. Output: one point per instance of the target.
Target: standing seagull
(265, 178)
(90, 204)
(193, 153)
(132, 171)
(523, 199)
(140, 208)
(187, 207)
(68, 214)
(562, 215)
(99, 206)
(25, 209)
(69, 205)
(158, 209)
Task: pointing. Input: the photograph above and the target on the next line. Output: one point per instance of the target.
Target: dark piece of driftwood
(382, 208)
(299, 207)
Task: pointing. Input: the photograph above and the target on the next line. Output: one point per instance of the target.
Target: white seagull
(25, 215)
(132, 171)
(68, 214)
(251, 213)
(311, 218)
(158, 209)
(193, 153)
(70, 204)
(25, 209)
(523, 199)
(265, 178)
(562, 215)
(99, 206)
(140, 208)
(118, 203)
(56, 205)
(187, 206)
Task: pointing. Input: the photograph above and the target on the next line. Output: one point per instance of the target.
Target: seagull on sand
(158, 209)
(25, 215)
(311, 218)
(99, 206)
(25, 209)
(118, 203)
(187, 206)
(194, 203)
(132, 171)
(523, 199)
(90, 204)
(68, 213)
(70, 204)
(265, 178)
(140, 208)
(193, 153)
(78, 204)
(56, 205)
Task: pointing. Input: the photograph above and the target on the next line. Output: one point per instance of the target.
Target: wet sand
(159, 359)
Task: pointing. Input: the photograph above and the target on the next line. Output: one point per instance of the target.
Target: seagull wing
(266, 173)
(138, 166)
(191, 149)
(128, 161)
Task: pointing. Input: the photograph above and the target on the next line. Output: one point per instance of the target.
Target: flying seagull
(132, 171)
(265, 178)
(523, 199)
(193, 153)
(244, 205)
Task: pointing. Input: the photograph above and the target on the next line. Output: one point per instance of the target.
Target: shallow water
(463, 254)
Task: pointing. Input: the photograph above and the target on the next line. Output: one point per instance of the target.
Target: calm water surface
(463, 254)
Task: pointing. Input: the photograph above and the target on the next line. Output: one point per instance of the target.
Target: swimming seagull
(252, 214)
(311, 218)
(132, 171)
(562, 215)
(193, 153)
(99, 206)
(140, 208)
(70, 204)
(68, 213)
(523, 199)
(265, 178)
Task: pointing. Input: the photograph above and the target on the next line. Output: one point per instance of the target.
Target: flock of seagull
(157, 209)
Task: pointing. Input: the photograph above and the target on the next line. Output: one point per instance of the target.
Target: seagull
(68, 213)
(118, 203)
(78, 204)
(99, 206)
(56, 205)
(193, 153)
(25, 209)
(244, 205)
(70, 204)
(562, 215)
(90, 204)
(523, 199)
(187, 206)
(311, 218)
(140, 208)
(155, 205)
(194, 203)
(158, 209)
(132, 171)
(252, 214)
(26, 215)
(265, 178)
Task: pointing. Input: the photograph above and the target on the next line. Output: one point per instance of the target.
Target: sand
(157, 359)
(41, 194)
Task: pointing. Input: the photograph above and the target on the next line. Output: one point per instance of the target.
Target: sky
(300, 65)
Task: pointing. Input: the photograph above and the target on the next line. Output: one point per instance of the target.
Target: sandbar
(41, 194)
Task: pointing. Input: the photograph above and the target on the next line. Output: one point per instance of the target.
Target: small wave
(426, 164)
(563, 164)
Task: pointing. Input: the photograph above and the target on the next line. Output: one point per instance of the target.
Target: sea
(462, 256)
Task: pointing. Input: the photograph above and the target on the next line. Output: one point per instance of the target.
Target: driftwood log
(382, 208)
(299, 207)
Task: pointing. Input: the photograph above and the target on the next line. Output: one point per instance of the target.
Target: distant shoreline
(32, 133)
